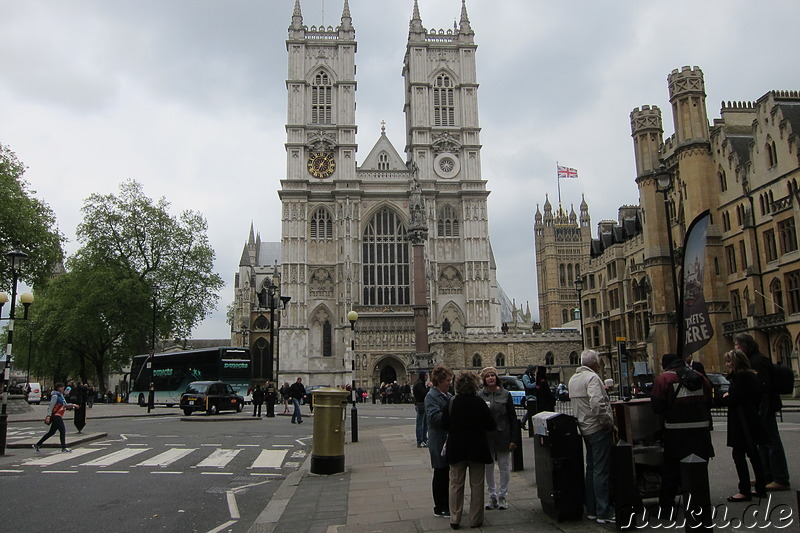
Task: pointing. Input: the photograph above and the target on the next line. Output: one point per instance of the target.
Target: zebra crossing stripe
(52, 459)
(168, 457)
(115, 457)
(219, 458)
(269, 459)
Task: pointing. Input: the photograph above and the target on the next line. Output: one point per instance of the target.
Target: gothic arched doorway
(388, 374)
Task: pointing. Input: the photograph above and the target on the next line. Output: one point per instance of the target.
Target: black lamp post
(664, 185)
(284, 303)
(352, 316)
(151, 397)
(31, 323)
(579, 287)
(17, 258)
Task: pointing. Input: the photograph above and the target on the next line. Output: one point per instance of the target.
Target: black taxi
(210, 397)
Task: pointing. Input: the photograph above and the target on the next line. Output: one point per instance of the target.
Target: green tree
(132, 234)
(26, 224)
(88, 322)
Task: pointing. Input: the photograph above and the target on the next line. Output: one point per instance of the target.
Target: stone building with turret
(353, 231)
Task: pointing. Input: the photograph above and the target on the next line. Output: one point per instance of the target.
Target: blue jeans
(422, 425)
(773, 458)
(598, 468)
(296, 415)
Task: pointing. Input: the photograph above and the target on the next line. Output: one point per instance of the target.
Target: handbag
(47, 420)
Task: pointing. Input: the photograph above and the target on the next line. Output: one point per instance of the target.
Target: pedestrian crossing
(217, 460)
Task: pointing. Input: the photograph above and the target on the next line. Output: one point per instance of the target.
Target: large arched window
(321, 224)
(777, 296)
(447, 225)
(386, 260)
(321, 99)
(444, 107)
(476, 361)
(327, 339)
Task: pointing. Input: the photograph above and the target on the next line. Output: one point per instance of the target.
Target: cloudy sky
(188, 97)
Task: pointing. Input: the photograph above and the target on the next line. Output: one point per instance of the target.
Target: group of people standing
(468, 434)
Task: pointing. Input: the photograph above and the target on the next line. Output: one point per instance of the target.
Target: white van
(35, 394)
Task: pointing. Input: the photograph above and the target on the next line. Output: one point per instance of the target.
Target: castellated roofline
(735, 106)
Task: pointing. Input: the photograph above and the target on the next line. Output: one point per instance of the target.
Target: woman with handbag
(58, 406)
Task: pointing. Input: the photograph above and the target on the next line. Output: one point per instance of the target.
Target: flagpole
(558, 182)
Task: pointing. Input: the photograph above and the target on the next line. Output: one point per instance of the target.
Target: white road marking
(113, 471)
(269, 459)
(216, 473)
(10, 471)
(49, 460)
(115, 457)
(59, 471)
(168, 457)
(232, 507)
(164, 472)
(222, 526)
(219, 458)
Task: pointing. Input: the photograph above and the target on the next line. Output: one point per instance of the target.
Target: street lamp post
(284, 303)
(151, 397)
(31, 323)
(17, 258)
(664, 180)
(579, 287)
(352, 316)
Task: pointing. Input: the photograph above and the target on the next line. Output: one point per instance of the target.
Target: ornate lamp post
(579, 311)
(352, 316)
(17, 258)
(664, 184)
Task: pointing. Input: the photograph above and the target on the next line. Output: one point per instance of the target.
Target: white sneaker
(66, 450)
(492, 503)
(609, 520)
(502, 504)
(591, 517)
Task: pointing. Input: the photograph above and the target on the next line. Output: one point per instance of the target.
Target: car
(514, 385)
(211, 397)
(35, 393)
(719, 386)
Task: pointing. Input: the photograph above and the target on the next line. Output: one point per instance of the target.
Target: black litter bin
(558, 456)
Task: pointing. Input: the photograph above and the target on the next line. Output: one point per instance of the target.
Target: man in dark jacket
(682, 396)
(420, 390)
(258, 400)
(772, 454)
(297, 392)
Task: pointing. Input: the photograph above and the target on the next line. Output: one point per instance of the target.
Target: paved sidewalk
(386, 487)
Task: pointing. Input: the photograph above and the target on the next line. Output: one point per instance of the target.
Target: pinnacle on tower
(297, 16)
(347, 20)
(415, 26)
(464, 25)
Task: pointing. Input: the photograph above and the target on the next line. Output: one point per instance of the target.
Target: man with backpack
(683, 397)
(772, 454)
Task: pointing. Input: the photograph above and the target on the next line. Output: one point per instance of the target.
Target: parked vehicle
(35, 393)
(719, 386)
(211, 397)
(514, 385)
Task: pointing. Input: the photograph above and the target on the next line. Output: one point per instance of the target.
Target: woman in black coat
(744, 425)
(468, 421)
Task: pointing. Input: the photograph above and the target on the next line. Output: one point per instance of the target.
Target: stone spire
(347, 20)
(297, 17)
(464, 26)
(415, 26)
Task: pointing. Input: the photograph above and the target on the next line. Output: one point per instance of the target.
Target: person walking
(258, 400)
(468, 421)
(284, 392)
(58, 406)
(297, 392)
(773, 456)
(436, 404)
(420, 390)
(596, 424)
(501, 442)
(745, 431)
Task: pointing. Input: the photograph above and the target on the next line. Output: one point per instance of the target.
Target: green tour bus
(171, 372)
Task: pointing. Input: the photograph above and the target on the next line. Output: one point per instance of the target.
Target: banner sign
(696, 328)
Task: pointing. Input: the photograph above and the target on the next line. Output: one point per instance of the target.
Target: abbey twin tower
(402, 241)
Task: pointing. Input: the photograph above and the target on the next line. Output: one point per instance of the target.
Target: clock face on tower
(321, 164)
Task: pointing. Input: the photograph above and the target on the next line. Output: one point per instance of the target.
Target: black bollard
(271, 401)
(627, 499)
(151, 397)
(697, 496)
(517, 460)
(532, 409)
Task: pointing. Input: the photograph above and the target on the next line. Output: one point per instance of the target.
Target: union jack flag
(566, 172)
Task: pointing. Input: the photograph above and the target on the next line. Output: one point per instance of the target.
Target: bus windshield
(170, 373)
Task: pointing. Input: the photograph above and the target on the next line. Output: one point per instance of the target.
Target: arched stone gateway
(390, 368)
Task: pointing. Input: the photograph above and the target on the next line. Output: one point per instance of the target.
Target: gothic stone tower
(562, 244)
(345, 241)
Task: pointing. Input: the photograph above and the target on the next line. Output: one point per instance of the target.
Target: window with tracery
(793, 291)
(383, 161)
(444, 108)
(500, 360)
(386, 260)
(447, 225)
(549, 359)
(321, 224)
(476, 361)
(321, 99)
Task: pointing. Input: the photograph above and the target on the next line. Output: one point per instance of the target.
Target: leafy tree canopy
(26, 224)
(131, 233)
